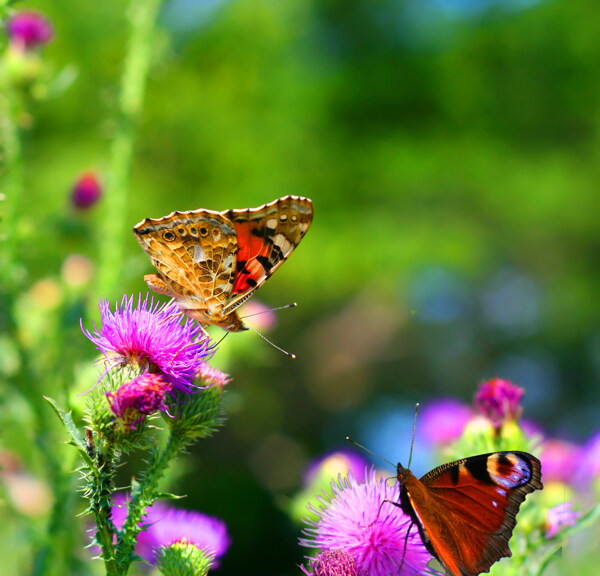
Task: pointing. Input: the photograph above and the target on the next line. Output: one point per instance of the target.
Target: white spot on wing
(283, 243)
(199, 255)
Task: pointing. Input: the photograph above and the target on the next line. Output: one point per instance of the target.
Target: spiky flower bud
(183, 558)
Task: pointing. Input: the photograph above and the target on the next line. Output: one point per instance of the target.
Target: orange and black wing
(266, 236)
(466, 510)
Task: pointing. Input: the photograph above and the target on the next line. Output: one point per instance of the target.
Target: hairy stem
(100, 503)
(143, 494)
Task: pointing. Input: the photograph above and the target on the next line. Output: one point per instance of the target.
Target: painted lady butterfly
(211, 262)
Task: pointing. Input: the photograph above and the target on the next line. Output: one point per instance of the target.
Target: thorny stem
(142, 16)
(102, 484)
(143, 494)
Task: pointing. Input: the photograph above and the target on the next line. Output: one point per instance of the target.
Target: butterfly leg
(157, 284)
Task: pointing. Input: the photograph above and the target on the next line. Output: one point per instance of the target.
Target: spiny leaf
(75, 437)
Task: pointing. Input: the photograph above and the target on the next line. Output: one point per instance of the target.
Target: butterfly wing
(466, 510)
(195, 255)
(266, 236)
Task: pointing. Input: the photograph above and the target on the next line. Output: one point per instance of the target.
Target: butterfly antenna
(221, 339)
(293, 356)
(413, 434)
(291, 305)
(370, 451)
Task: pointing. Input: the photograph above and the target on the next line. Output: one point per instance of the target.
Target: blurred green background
(451, 149)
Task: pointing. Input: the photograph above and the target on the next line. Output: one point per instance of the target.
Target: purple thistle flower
(381, 539)
(166, 526)
(138, 398)
(332, 563)
(559, 517)
(212, 376)
(499, 400)
(152, 336)
(86, 191)
(29, 29)
(443, 421)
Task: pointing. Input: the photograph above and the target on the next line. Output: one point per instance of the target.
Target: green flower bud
(183, 558)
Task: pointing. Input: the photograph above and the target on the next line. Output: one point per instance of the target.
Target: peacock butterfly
(466, 510)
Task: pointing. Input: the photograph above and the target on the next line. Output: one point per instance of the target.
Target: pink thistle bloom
(499, 400)
(381, 538)
(86, 191)
(559, 517)
(152, 336)
(138, 398)
(27, 30)
(443, 421)
(212, 376)
(165, 526)
(332, 563)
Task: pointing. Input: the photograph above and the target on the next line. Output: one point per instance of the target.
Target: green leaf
(169, 496)
(76, 438)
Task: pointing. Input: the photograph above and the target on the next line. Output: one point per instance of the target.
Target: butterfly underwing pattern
(211, 262)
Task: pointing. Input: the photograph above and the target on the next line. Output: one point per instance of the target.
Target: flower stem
(143, 494)
(12, 185)
(100, 504)
(142, 17)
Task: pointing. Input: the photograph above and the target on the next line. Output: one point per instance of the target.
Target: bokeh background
(451, 149)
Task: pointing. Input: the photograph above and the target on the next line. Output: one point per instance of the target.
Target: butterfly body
(212, 262)
(466, 510)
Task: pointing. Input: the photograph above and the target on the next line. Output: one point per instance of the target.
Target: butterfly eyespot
(216, 233)
(203, 231)
(194, 230)
(283, 218)
(181, 230)
(294, 218)
(169, 236)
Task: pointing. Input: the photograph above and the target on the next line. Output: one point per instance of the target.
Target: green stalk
(12, 186)
(142, 16)
(100, 504)
(143, 494)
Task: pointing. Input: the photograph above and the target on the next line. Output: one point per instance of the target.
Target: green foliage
(466, 146)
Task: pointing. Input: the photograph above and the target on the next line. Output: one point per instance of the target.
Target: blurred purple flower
(332, 563)
(212, 376)
(334, 463)
(27, 30)
(165, 526)
(559, 517)
(377, 537)
(152, 336)
(589, 461)
(86, 191)
(443, 421)
(561, 459)
(138, 398)
(499, 400)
